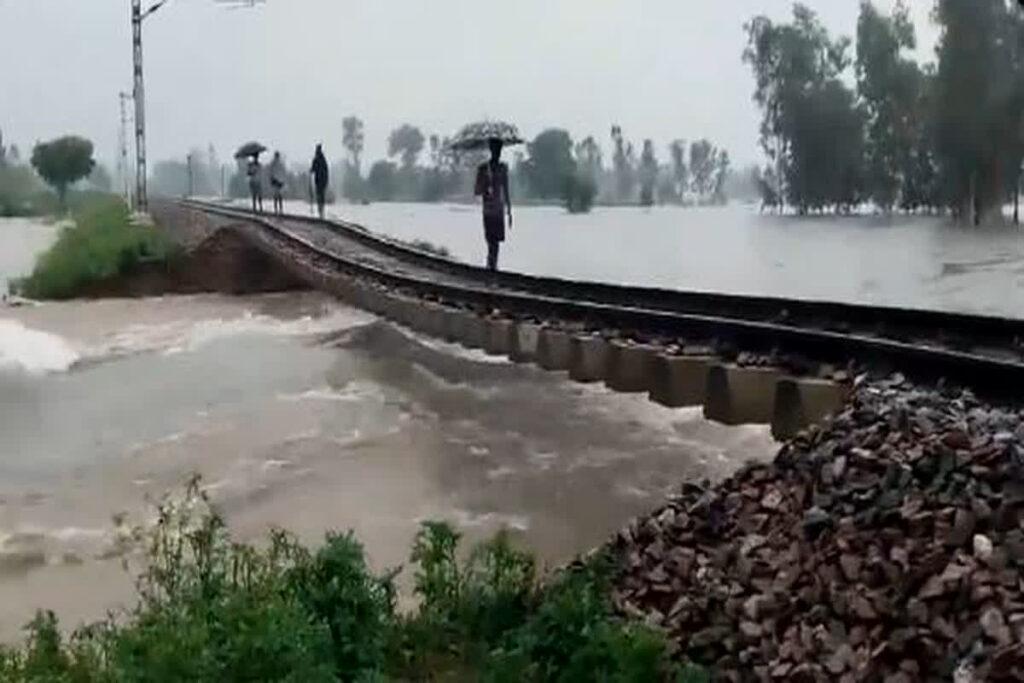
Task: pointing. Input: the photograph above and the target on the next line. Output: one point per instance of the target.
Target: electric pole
(122, 142)
(139, 92)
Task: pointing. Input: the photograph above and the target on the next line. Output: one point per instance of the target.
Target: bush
(212, 610)
(103, 242)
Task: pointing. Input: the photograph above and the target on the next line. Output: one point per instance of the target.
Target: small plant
(211, 609)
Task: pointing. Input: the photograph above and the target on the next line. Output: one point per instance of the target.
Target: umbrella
(250, 149)
(478, 135)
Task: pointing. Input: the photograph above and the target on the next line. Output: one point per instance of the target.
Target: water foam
(32, 351)
(184, 336)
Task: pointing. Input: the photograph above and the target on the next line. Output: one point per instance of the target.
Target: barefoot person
(492, 187)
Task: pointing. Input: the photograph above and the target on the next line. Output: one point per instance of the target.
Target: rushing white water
(26, 350)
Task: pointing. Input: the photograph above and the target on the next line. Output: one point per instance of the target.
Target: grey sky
(286, 73)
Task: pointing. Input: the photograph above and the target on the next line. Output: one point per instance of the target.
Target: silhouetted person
(277, 177)
(254, 171)
(492, 186)
(320, 178)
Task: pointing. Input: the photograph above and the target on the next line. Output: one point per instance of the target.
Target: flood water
(302, 413)
(919, 262)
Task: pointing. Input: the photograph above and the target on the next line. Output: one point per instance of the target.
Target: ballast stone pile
(886, 545)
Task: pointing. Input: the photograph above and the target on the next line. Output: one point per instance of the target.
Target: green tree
(680, 171)
(62, 162)
(382, 181)
(550, 164)
(623, 166)
(979, 102)
(703, 161)
(406, 142)
(353, 140)
(588, 158)
(811, 125)
(722, 165)
(891, 87)
(648, 173)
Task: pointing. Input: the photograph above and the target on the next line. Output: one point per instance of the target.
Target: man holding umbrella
(491, 179)
(492, 186)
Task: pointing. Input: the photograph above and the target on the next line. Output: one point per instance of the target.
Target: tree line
(946, 135)
(552, 167)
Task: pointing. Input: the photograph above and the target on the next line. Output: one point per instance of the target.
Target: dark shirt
(319, 170)
(492, 185)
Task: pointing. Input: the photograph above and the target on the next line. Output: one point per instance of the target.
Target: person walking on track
(320, 174)
(492, 187)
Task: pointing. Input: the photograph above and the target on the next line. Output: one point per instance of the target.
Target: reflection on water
(303, 413)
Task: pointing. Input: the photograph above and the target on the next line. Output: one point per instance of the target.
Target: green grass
(211, 609)
(103, 242)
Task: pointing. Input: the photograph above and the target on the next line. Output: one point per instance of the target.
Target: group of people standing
(492, 186)
(319, 177)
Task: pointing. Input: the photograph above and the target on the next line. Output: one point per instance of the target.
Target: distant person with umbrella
(253, 170)
(320, 173)
(491, 179)
(255, 173)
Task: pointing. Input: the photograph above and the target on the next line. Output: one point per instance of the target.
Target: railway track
(983, 353)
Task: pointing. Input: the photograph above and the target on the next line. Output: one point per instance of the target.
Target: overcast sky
(287, 72)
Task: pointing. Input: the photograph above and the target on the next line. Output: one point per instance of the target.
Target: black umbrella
(478, 135)
(250, 149)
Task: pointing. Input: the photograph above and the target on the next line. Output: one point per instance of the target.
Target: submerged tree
(623, 165)
(406, 142)
(550, 165)
(648, 173)
(979, 102)
(353, 140)
(680, 171)
(891, 87)
(811, 126)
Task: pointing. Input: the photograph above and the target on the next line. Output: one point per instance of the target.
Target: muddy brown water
(302, 413)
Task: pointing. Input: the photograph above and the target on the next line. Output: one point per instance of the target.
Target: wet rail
(981, 352)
